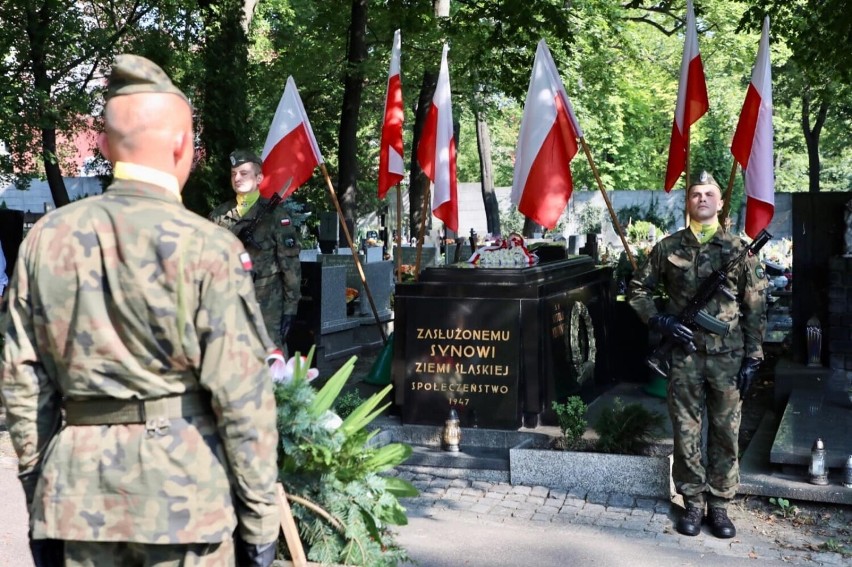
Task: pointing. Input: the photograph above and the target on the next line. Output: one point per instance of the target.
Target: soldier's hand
(251, 555)
(670, 326)
(745, 377)
(286, 323)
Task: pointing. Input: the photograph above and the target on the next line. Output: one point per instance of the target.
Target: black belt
(112, 411)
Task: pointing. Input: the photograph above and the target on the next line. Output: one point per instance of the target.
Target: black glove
(47, 552)
(286, 323)
(745, 376)
(251, 555)
(670, 326)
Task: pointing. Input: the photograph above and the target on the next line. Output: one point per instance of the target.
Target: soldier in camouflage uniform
(138, 319)
(718, 374)
(273, 245)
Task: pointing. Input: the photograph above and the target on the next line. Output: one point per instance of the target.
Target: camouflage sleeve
(753, 284)
(30, 395)
(287, 250)
(234, 370)
(640, 292)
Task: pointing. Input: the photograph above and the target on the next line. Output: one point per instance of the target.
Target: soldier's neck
(135, 172)
(704, 231)
(245, 201)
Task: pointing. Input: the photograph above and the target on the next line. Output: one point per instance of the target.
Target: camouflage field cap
(704, 178)
(239, 157)
(133, 74)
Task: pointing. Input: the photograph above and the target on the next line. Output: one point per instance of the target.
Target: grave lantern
(817, 471)
(451, 436)
(847, 473)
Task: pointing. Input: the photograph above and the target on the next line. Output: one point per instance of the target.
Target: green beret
(239, 157)
(704, 178)
(132, 74)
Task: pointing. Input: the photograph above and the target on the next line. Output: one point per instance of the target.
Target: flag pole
(398, 233)
(423, 208)
(608, 203)
(726, 198)
(354, 251)
(686, 190)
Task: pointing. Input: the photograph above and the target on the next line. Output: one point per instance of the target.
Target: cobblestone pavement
(620, 515)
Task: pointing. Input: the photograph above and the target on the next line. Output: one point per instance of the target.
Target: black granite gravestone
(499, 345)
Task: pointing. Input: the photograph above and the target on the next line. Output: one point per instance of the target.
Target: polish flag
(391, 166)
(692, 101)
(291, 150)
(436, 151)
(752, 143)
(547, 143)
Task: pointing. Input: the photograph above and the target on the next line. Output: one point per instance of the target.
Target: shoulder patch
(759, 271)
(245, 260)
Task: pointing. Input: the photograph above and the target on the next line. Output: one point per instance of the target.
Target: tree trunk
(223, 108)
(441, 8)
(812, 138)
(486, 174)
(248, 14)
(51, 168)
(419, 183)
(38, 24)
(353, 86)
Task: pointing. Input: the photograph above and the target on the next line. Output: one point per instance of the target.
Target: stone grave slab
(429, 256)
(811, 414)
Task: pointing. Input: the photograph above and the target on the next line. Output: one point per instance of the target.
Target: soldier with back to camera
(136, 320)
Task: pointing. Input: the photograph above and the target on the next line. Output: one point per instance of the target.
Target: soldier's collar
(703, 232)
(135, 172)
(246, 201)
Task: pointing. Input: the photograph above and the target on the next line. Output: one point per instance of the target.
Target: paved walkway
(473, 520)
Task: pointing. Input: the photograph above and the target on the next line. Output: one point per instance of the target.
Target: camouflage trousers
(270, 297)
(697, 382)
(128, 554)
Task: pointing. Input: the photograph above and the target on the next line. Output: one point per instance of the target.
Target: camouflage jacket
(678, 264)
(277, 257)
(130, 295)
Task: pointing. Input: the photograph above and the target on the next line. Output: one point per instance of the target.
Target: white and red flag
(436, 151)
(752, 143)
(547, 143)
(692, 101)
(291, 150)
(391, 164)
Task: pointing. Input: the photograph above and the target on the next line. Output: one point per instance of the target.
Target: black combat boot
(690, 523)
(721, 526)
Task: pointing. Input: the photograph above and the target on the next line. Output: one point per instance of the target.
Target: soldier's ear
(103, 145)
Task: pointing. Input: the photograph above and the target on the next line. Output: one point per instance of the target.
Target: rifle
(693, 315)
(246, 233)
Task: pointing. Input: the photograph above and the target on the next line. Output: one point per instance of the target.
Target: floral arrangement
(778, 251)
(344, 503)
(406, 273)
(506, 252)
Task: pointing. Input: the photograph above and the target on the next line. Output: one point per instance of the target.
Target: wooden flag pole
(423, 208)
(398, 233)
(686, 191)
(608, 203)
(291, 532)
(726, 198)
(354, 252)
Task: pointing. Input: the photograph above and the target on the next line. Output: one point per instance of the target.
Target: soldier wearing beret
(717, 375)
(270, 239)
(134, 376)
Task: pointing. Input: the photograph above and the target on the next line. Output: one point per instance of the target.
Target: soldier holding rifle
(134, 377)
(716, 355)
(270, 238)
